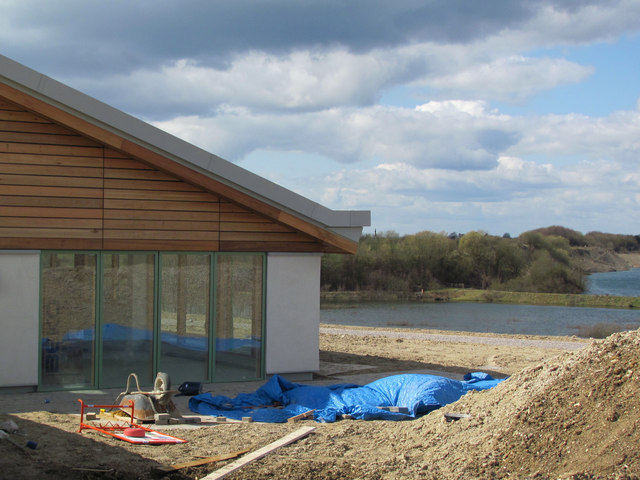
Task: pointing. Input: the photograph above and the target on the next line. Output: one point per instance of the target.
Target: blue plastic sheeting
(115, 332)
(419, 394)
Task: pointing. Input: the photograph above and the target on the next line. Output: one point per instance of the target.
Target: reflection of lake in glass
(482, 317)
(626, 283)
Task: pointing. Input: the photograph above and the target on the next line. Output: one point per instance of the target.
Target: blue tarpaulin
(417, 393)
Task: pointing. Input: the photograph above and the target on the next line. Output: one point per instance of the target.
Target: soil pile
(575, 416)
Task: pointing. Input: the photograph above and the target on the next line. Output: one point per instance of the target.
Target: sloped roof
(113, 127)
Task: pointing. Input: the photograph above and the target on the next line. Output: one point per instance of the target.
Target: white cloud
(510, 78)
(436, 134)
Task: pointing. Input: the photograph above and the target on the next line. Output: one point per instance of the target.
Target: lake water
(482, 317)
(500, 318)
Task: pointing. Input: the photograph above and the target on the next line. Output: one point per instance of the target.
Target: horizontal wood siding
(244, 231)
(63, 190)
(51, 184)
(147, 209)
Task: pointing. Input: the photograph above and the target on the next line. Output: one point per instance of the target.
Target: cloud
(615, 137)
(436, 134)
(510, 79)
(287, 76)
(188, 59)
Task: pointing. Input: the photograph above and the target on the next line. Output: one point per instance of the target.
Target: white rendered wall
(293, 313)
(19, 303)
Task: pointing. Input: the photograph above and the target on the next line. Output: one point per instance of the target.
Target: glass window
(68, 319)
(184, 323)
(127, 317)
(238, 325)
(105, 315)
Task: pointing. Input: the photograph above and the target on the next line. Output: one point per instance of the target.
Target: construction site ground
(570, 409)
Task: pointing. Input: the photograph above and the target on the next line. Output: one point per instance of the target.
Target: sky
(448, 116)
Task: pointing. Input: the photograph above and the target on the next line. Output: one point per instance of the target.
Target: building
(125, 249)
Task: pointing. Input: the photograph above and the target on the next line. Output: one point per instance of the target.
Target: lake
(482, 317)
(500, 318)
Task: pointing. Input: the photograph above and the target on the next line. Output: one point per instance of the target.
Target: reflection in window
(238, 317)
(127, 317)
(184, 324)
(68, 319)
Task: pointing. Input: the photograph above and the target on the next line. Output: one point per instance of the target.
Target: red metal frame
(117, 430)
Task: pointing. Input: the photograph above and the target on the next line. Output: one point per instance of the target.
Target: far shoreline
(330, 300)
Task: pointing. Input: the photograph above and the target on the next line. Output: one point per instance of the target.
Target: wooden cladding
(62, 190)
(147, 209)
(51, 184)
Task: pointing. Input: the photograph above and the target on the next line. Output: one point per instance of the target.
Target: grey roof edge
(342, 222)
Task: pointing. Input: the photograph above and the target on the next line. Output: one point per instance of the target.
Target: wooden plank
(229, 207)
(35, 243)
(137, 174)
(176, 225)
(59, 160)
(47, 139)
(46, 170)
(50, 181)
(301, 416)
(262, 236)
(244, 217)
(40, 222)
(261, 246)
(21, 116)
(159, 235)
(125, 204)
(62, 202)
(161, 215)
(179, 245)
(258, 454)
(161, 186)
(126, 164)
(201, 461)
(31, 127)
(50, 212)
(11, 232)
(7, 105)
(156, 195)
(111, 153)
(254, 227)
(40, 149)
(42, 191)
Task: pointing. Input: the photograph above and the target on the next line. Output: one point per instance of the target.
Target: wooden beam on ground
(302, 416)
(200, 461)
(258, 454)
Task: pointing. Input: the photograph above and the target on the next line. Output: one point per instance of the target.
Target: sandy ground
(569, 410)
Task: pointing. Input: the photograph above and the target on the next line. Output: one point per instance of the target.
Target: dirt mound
(575, 416)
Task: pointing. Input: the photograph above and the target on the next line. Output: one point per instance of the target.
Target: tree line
(536, 261)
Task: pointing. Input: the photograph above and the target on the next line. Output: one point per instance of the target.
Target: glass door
(126, 334)
(68, 317)
(184, 316)
(239, 312)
